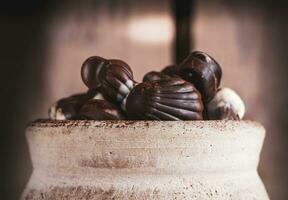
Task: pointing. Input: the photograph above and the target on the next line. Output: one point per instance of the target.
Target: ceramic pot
(145, 160)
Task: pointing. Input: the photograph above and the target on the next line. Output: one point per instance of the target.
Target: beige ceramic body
(145, 160)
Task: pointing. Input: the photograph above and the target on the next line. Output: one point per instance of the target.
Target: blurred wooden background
(43, 45)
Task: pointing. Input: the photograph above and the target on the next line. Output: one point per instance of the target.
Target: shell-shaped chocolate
(68, 108)
(114, 77)
(154, 76)
(96, 109)
(117, 80)
(226, 105)
(165, 99)
(170, 70)
(203, 71)
(90, 71)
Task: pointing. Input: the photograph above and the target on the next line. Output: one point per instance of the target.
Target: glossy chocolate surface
(186, 91)
(203, 71)
(90, 71)
(224, 113)
(70, 106)
(113, 77)
(165, 99)
(154, 76)
(170, 70)
(96, 109)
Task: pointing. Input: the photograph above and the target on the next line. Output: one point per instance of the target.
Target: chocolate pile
(188, 91)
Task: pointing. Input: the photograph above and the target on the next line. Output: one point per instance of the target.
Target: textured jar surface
(145, 160)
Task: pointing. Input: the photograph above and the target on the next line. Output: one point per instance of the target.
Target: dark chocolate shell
(170, 70)
(90, 71)
(165, 99)
(113, 77)
(68, 108)
(153, 76)
(96, 109)
(116, 80)
(203, 71)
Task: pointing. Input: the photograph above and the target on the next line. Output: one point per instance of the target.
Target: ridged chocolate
(68, 108)
(165, 99)
(226, 105)
(170, 70)
(154, 76)
(117, 80)
(90, 71)
(224, 113)
(113, 77)
(203, 71)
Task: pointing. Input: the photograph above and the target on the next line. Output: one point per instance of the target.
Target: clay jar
(145, 160)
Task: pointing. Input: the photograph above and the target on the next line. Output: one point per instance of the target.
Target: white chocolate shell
(226, 104)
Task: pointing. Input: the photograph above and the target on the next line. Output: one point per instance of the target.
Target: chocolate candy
(226, 105)
(96, 109)
(153, 76)
(170, 70)
(184, 92)
(90, 71)
(68, 108)
(165, 99)
(203, 71)
(113, 77)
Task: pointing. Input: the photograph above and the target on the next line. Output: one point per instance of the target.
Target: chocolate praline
(165, 99)
(96, 109)
(170, 70)
(113, 77)
(90, 71)
(153, 76)
(67, 108)
(203, 71)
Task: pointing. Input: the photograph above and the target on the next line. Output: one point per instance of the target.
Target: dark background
(43, 44)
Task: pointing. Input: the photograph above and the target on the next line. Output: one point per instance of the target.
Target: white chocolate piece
(56, 113)
(123, 103)
(98, 96)
(226, 98)
(123, 89)
(119, 97)
(60, 115)
(129, 84)
(52, 111)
